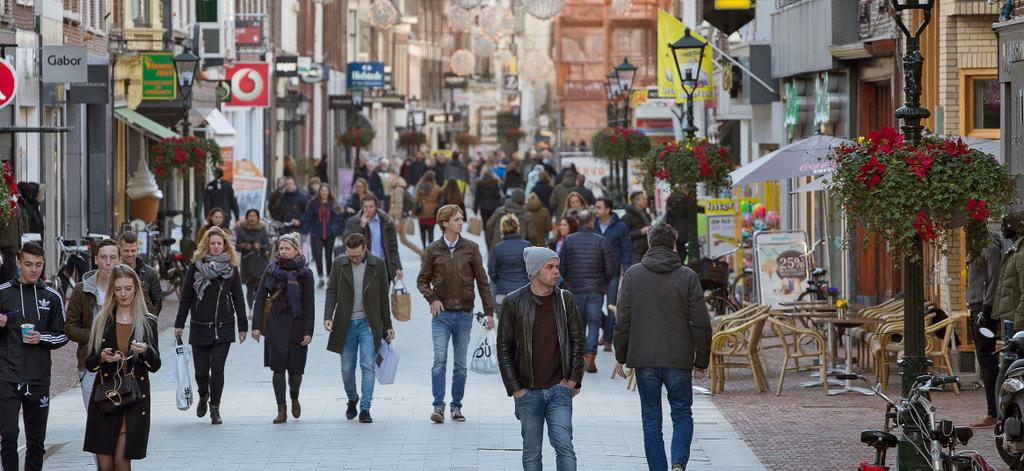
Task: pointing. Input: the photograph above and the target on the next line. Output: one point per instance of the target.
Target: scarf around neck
(285, 274)
(210, 268)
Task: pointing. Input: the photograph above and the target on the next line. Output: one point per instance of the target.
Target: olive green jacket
(340, 296)
(1009, 304)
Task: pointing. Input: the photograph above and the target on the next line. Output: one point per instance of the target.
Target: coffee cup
(26, 329)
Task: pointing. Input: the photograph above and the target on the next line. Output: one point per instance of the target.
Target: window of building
(92, 15)
(140, 13)
(979, 103)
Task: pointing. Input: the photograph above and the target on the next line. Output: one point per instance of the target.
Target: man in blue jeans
(449, 267)
(666, 339)
(540, 355)
(589, 264)
(610, 227)
(358, 319)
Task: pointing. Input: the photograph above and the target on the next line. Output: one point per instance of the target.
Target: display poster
(780, 259)
(250, 187)
(721, 232)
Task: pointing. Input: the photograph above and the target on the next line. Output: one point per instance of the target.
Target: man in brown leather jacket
(450, 266)
(540, 355)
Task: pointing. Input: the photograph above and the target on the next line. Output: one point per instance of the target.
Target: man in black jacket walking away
(31, 325)
(666, 339)
(589, 264)
(638, 222)
(148, 277)
(220, 194)
(540, 355)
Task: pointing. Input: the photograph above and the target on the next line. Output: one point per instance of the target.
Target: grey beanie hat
(517, 195)
(535, 258)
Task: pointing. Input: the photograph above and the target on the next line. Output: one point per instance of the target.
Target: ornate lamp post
(914, 362)
(684, 50)
(186, 65)
(624, 74)
(611, 89)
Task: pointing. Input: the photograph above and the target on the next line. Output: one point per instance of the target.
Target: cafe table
(832, 323)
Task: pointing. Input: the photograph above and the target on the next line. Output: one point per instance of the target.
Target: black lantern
(611, 85)
(924, 6)
(186, 65)
(624, 74)
(683, 49)
(414, 103)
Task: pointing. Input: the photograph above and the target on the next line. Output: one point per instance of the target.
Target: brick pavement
(607, 431)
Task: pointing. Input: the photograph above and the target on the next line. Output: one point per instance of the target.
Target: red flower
(871, 172)
(919, 163)
(668, 149)
(663, 174)
(179, 155)
(885, 140)
(723, 153)
(976, 209)
(957, 148)
(924, 226)
(159, 170)
(700, 152)
(613, 139)
(198, 153)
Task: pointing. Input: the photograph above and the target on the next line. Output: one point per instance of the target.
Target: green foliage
(685, 164)
(620, 143)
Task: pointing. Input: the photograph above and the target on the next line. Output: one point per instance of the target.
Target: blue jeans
(608, 325)
(359, 340)
(1008, 330)
(456, 326)
(680, 399)
(554, 405)
(589, 305)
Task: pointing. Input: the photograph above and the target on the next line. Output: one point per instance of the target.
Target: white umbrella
(803, 158)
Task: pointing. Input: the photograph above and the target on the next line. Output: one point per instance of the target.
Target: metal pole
(186, 244)
(914, 362)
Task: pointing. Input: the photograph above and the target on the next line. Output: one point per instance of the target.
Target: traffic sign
(511, 83)
(249, 84)
(8, 83)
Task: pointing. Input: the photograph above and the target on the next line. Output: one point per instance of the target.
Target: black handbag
(121, 391)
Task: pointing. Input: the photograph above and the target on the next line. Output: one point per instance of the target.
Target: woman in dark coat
(513, 177)
(323, 222)
(505, 264)
(543, 190)
(354, 203)
(487, 197)
(212, 293)
(451, 194)
(288, 326)
(123, 341)
(254, 245)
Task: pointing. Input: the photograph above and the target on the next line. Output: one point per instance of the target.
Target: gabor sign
(65, 64)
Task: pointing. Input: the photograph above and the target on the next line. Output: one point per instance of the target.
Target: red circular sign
(8, 83)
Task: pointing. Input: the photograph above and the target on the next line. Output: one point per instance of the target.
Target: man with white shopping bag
(540, 355)
(358, 319)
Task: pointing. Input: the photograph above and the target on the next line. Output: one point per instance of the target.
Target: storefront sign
(366, 75)
(95, 91)
(780, 265)
(733, 4)
(65, 64)
(158, 76)
(249, 84)
(721, 219)
(8, 83)
(286, 66)
(249, 33)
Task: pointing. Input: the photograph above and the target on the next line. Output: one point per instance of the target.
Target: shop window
(979, 103)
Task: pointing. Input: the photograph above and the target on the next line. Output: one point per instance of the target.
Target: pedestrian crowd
(564, 277)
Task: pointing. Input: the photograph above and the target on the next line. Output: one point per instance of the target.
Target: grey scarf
(210, 268)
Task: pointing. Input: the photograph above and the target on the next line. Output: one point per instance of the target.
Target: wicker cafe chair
(862, 335)
(738, 347)
(938, 348)
(736, 318)
(799, 343)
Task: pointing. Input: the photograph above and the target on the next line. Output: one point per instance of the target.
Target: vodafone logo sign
(8, 83)
(249, 84)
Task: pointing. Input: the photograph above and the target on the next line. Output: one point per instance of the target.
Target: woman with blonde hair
(287, 286)
(122, 345)
(574, 203)
(355, 201)
(212, 294)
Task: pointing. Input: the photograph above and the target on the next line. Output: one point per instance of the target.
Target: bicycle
(941, 436)
(74, 261)
(724, 299)
(817, 286)
(171, 265)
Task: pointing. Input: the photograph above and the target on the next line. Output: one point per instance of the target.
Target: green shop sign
(158, 76)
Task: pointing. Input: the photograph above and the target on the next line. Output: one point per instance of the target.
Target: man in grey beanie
(542, 371)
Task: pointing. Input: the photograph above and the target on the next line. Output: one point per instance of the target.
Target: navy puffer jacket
(506, 265)
(588, 262)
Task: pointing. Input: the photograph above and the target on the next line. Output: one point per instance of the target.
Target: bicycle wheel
(720, 305)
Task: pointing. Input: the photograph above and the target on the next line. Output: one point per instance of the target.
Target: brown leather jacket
(515, 338)
(448, 276)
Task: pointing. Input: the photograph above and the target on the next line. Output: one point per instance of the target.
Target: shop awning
(804, 158)
(216, 122)
(143, 124)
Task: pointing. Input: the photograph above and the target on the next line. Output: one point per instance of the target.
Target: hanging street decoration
(543, 9)
(463, 62)
(383, 14)
(496, 22)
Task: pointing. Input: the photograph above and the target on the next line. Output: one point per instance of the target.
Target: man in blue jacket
(609, 226)
(588, 265)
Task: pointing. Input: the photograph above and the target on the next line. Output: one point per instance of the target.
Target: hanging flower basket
(513, 136)
(8, 191)
(411, 139)
(620, 143)
(179, 154)
(465, 140)
(358, 137)
(899, 191)
(685, 164)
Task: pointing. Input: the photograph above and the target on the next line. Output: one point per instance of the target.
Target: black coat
(388, 235)
(214, 316)
(636, 220)
(588, 262)
(487, 197)
(102, 430)
(253, 261)
(283, 331)
(220, 194)
(290, 206)
(543, 191)
(150, 281)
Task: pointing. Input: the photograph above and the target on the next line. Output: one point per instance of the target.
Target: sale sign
(780, 259)
(250, 84)
(8, 83)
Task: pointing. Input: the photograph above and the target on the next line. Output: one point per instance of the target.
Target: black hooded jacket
(38, 304)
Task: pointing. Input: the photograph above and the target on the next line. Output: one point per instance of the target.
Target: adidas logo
(44, 402)
(44, 304)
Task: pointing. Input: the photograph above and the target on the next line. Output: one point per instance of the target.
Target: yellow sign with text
(670, 29)
(733, 5)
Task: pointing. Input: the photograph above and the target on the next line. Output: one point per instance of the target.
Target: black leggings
(294, 381)
(209, 363)
(426, 234)
(323, 249)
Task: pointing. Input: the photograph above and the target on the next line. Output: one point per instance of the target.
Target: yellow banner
(670, 29)
(733, 5)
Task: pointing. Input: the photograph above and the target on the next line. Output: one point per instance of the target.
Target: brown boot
(282, 414)
(590, 360)
(296, 407)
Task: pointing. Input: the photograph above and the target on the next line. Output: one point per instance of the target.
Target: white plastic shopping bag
(484, 358)
(387, 363)
(185, 394)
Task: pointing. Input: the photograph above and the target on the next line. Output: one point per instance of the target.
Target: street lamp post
(624, 75)
(611, 88)
(689, 50)
(186, 65)
(684, 49)
(914, 362)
